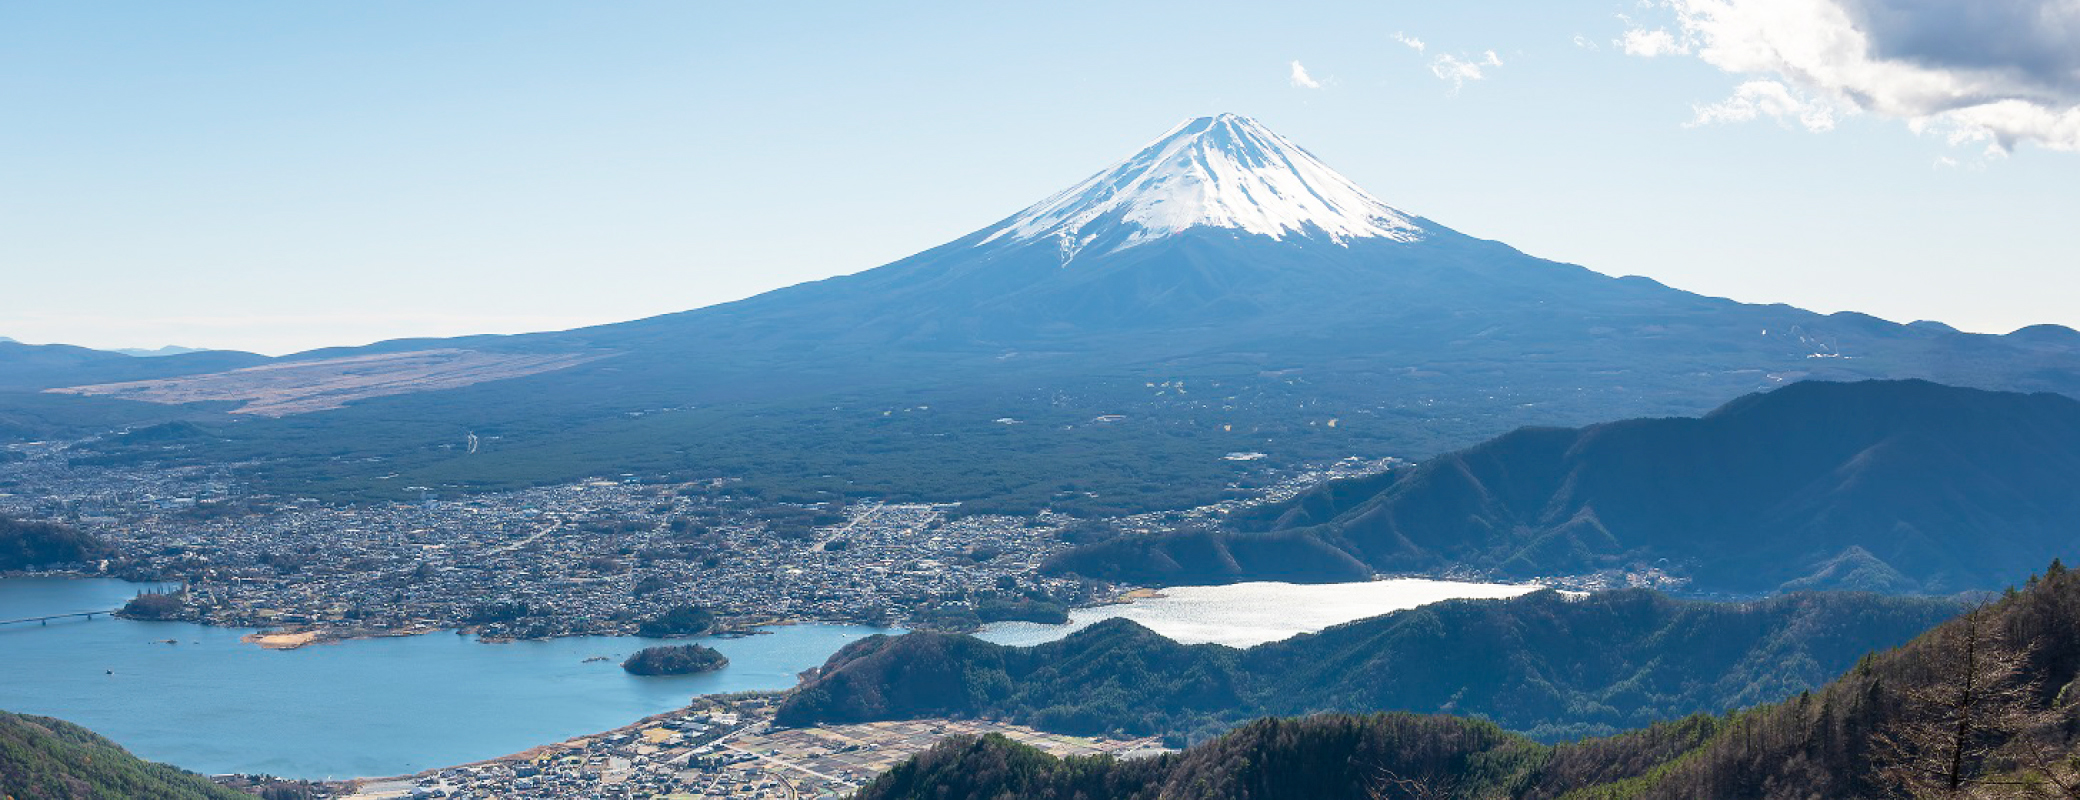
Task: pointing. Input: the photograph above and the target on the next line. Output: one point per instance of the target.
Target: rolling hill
(48, 759)
(1896, 486)
(1899, 723)
(1544, 664)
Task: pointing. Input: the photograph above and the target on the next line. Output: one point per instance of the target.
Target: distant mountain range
(27, 413)
(1544, 664)
(1894, 486)
(1221, 290)
(168, 350)
(1897, 724)
(158, 352)
(29, 367)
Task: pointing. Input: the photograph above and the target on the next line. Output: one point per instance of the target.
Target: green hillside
(1544, 664)
(1981, 706)
(48, 759)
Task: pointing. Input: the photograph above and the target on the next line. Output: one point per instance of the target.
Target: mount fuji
(1220, 292)
(1219, 220)
(1216, 172)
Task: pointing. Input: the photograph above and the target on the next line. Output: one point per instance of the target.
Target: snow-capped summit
(1225, 171)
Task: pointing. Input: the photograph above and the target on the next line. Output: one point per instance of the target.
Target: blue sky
(282, 176)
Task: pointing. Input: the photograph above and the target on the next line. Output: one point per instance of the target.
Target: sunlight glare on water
(1245, 614)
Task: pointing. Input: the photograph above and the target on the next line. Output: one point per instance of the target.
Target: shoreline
(573, 743)
(293, 637)
(297, 637)
(300, 635)
(727, 754)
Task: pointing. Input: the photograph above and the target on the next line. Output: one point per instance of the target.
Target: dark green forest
(155, 605)
(27, 545)
(683, 659)
(679, 620)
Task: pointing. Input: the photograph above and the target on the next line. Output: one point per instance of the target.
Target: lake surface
(1245, 614)
(362, 708)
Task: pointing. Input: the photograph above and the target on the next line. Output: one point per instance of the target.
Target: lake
(1245, 614)
(361, 708)
(377, 707)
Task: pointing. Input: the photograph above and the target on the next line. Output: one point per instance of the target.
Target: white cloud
(1755, 99)
(1994, 71)
(1586, 43)
(1657, 42)
(1457, 71)
(1302, 80)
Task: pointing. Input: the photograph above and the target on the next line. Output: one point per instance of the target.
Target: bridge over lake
(46, 619)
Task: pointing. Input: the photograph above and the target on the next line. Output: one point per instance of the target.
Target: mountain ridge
(1884, 485)
(1892, 725)
(1547, 665)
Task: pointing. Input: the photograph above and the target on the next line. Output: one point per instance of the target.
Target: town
(720, 746)
(602, 556)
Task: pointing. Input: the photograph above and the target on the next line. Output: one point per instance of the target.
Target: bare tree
(1976, 728)
(1393, 786)
(1950, 727)
(2053, 770)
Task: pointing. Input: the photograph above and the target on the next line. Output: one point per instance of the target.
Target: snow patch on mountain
(1226, 171)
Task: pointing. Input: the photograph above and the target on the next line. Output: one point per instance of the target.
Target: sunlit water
(1244, 614)
(372, 707)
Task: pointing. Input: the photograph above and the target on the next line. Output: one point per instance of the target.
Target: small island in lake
(685, 659)
(155, 606)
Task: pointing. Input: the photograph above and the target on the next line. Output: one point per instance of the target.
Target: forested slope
(1982, 706)
(1894, 486)
(48, 759)
(1542, 664)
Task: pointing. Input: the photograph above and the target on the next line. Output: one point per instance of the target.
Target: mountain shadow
(1891, 486)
